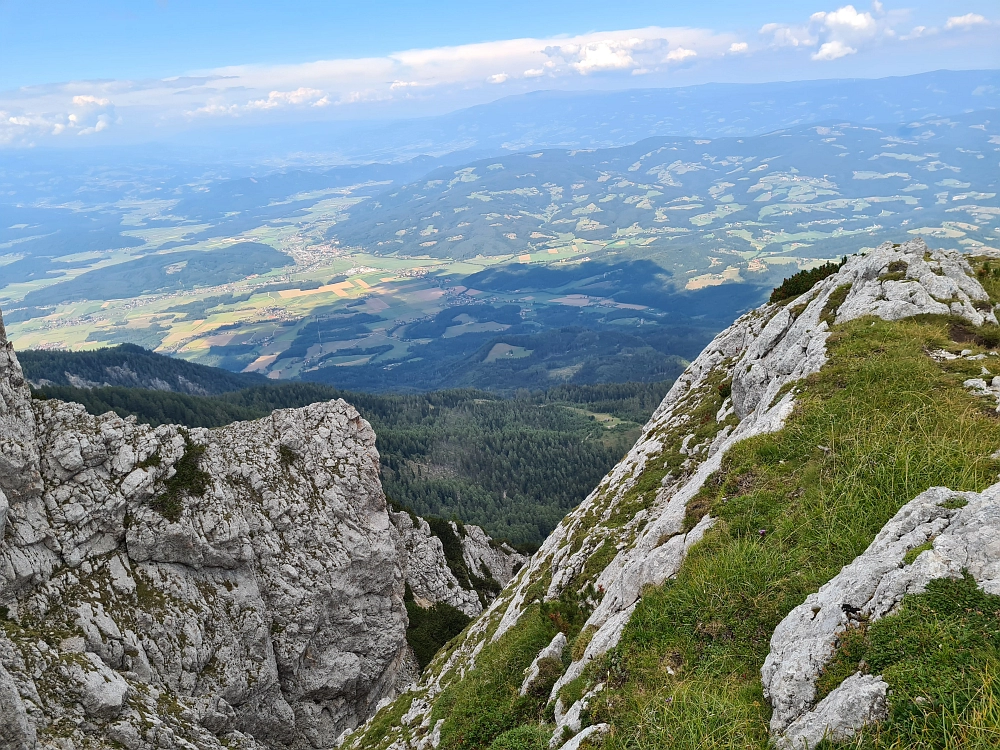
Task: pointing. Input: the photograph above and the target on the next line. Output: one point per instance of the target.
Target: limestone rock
(240, 586)
(102, 690)
(16, 731)
(553, 651)
(427, 572)
(858, 701)
(425, 569)
(593, 733)
(964, 528)
(571, 721)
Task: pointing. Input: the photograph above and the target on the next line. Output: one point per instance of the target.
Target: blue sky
(109, 69)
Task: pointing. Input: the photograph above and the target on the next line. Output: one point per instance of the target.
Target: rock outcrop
(240, 587)
(422, 553)
(627, 535)
(962, 530)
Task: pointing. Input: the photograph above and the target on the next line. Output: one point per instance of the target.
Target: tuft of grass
(523, 738)
(988, 275)
(829, 312)
(910, 557)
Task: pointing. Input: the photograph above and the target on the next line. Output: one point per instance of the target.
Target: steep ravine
(241, 587)
(694, 599)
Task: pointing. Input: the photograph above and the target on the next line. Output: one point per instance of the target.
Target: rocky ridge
(629, 534)
(240, 587)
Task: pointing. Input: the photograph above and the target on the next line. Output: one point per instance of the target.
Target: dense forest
(130, 366)
(513, 465)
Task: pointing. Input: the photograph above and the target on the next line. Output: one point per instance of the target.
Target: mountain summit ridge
(633, 534)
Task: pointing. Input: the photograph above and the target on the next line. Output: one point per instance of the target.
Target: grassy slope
(896, 422)
(687, 671)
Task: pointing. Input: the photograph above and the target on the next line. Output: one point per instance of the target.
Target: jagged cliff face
(636, 530)
(239, 587)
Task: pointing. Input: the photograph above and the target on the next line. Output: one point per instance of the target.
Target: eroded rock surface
(964, 531)
(422, 555)
(166, 588)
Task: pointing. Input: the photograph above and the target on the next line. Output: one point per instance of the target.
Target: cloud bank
(457, 75)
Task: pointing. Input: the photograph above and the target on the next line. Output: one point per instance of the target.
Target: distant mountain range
(599, 119)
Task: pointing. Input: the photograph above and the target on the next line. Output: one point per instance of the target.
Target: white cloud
(787, 36)
(421, 76)
(608, 55)
(836, 33)
(833, 51)
(299, 96)
(917, 32)
(676, 55)
(442, 78)
(965, 22)
(82, 114)
(846, 20)
(90, 101)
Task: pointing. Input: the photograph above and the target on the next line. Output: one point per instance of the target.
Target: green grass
(940, 654)
(522, 738)
(482, 707)
(897, 423)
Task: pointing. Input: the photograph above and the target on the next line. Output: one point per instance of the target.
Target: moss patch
(829, 312)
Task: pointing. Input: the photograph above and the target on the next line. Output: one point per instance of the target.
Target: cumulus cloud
(609, 55)
(834, 34)
(738, 47)
(833, 51)
(497, 78)
(679, 54)
(787, 36)
(300, 96)
(965, 22)
(846, 20)
(81, 114)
